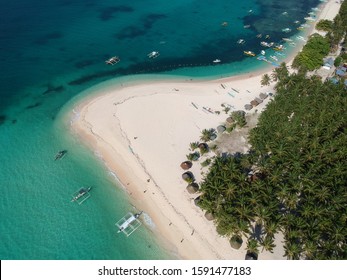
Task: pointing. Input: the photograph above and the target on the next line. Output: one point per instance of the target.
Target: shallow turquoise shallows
(54, 49)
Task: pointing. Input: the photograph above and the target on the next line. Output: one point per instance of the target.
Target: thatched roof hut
(230, 120)
(258, 100)
(203, 146)
(197, 200)
(236, 242)
(186, 165)
(209, 216)
(192, 188)
(263, 96)
(248, 106)
(254, 103)
(187, 176)
(221, 128)
(251, 256)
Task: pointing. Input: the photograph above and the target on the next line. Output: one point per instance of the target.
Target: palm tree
(252, 246)
(194, 145)
(268, 243)
(292, 250)
(265, 80)
(208, 134)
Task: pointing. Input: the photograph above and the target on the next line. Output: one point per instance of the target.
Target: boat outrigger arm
(129, 223)
(81, 195)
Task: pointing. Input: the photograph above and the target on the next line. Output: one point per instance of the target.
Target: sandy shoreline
(143, 133)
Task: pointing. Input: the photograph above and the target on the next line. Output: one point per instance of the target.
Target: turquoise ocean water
(52, 50)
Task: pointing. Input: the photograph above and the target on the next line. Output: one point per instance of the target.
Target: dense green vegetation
(311, 56)
(317, 47)
(325, 25)
(294, 178)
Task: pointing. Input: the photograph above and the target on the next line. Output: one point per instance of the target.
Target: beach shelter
(248, 107)
(188, 176)
(197, 200)
(186, 165)
(221, 128)
(251, 256)
(258, 100)
(263, 96)
(236, 242)
(230, 120)
(254, 103)
(192, 188)
(209, 216)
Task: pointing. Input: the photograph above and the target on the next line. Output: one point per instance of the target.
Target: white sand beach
(143, 134)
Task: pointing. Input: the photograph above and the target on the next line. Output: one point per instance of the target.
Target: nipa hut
(186, 165)
(263, 96)
(188, 176)
(236, 242)
(209, 216)
(248, 107)
(197, 200)
(254, 103)
(230, 120)
(258, 100)
(192, 188)
(221, 128)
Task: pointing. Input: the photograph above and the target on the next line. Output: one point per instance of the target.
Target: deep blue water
(52, 50)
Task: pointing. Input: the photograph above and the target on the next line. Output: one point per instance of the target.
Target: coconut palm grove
(293, 179)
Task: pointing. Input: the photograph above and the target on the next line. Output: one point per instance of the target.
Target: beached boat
(81, 195)
(153, 54)
(216, 61)
(60, 154)
(287, 40)
(129, 223)
(113, 60)
(311, 19)
(249, 53)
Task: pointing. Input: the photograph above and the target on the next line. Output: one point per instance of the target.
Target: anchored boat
(81, 195)
(60, 154)
(153, 54)
(249, 53)
(129, 223)
(113, 60)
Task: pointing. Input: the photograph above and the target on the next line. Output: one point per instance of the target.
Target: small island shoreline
(142, 132)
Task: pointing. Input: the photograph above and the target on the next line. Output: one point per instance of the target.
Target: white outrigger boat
(113, 60)
(129, 223)
(153, 54)
(81, 195)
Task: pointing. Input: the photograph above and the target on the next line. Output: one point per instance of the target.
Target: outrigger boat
(129, 223)
(216, 61)
(153, 54)
(60, 154)
(113, 60)
(81, 195)
(249, 53)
